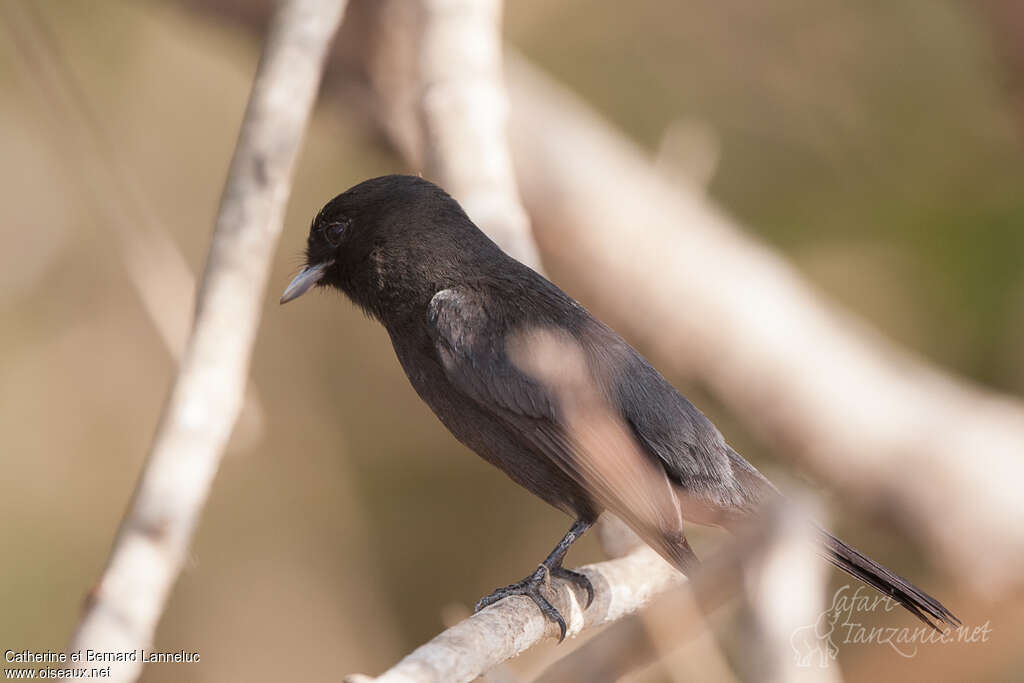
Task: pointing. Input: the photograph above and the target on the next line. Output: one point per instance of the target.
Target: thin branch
(124, 608)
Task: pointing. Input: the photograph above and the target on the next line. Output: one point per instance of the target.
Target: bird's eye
(334, 230)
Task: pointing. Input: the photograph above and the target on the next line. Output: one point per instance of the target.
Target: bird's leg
(551, 566)
(553, 562)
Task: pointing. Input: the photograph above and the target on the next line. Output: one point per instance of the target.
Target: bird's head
(389, 241)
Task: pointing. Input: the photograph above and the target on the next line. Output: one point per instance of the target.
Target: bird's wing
(717, 485)
(470, 342)
(585, 438)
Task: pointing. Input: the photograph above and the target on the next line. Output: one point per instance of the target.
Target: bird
(456, 308)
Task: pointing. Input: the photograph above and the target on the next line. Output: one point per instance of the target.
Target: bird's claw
(531, 588)
(578, 579)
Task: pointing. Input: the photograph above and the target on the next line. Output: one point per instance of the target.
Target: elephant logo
(813, 645)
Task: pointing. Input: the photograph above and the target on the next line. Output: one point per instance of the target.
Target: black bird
(453, 302)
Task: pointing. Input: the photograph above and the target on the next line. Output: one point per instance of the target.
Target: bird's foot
(580, 580)
(531, 588)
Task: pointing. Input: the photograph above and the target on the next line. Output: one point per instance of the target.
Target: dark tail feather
(862, 567)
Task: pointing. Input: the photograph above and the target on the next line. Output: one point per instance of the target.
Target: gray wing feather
(469, 340)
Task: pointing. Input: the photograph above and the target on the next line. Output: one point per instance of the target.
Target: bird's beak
(303, 282)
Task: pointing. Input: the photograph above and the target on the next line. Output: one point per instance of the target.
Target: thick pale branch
(123, 610)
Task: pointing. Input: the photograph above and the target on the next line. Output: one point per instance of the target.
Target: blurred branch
(123, 610)
(785, 590)
(463, 114)
(459, 129)
(714, 304)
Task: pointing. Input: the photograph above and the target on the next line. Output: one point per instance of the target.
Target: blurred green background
(878, 145)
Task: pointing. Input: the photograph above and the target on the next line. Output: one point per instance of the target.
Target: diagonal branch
(675, 272)
(124, 608)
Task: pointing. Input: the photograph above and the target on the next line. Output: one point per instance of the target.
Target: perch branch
(512, 626)
(123, 610)
(759, 556)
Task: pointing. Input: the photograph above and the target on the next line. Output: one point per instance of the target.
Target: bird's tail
(849, 559)
(860, 566)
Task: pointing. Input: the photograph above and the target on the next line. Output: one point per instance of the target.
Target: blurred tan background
(878, 145)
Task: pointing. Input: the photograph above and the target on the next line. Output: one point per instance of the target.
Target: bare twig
(124, 608)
